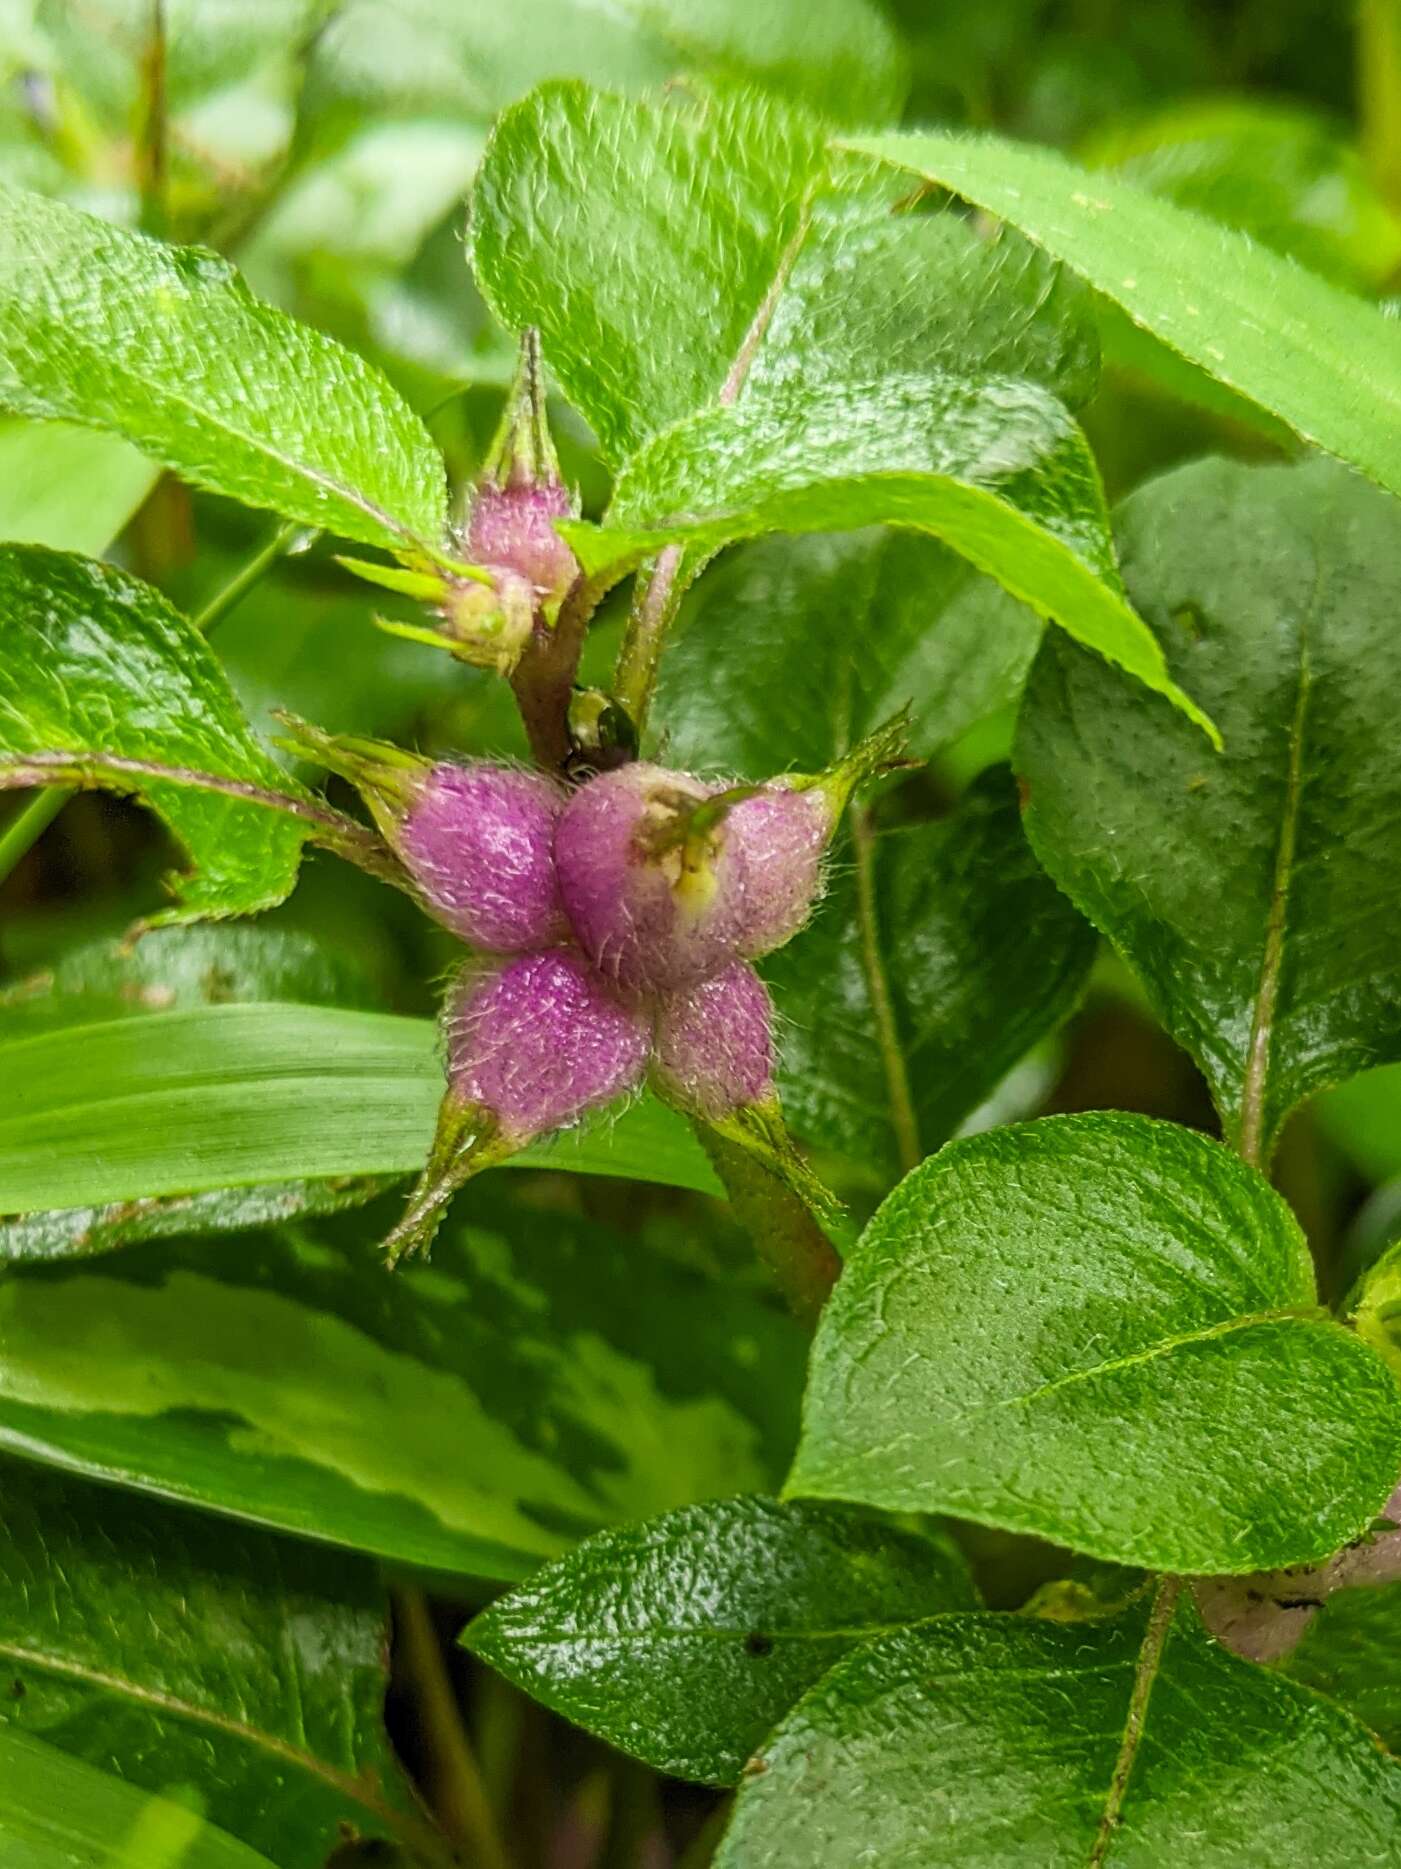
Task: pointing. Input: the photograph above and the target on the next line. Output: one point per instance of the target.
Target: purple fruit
(511, 528)
(656, 901)
(782, 835)
(540, 1041)
(479, 842)
(714, 1045)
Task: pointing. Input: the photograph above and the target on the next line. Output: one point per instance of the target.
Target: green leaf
(168, 348)
(683, 1641)
(470, 60)
(1326, 363)
(1104, 1331)
(1363, 1116)
(790, 650)
(997, 469)
(266, 1686)
(1253, 892)
(998, 1742)
(681, 252)
(101, 681)
(56, 1813)
(978, 953)
(544, 1378)
(238, 1096)
(67, 488)
(1351, 1651)
(1273, 171)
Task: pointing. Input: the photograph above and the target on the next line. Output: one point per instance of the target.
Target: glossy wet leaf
(996, 468)
(68, 488)
(1351, 1652)
(981, 956)
(167, 347)
(1253, 891)
(99, 674)
(243, 1095)
(1102, 1330)
(57, 1813)
(671, 247)
(992, 1742)
(265, 1688)
(792, 649)
(684, 1640)
(469, 60)
(543, 1378)
(1326, 363)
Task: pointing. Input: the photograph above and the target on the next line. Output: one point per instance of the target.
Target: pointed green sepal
(386, 776)
(466, 1140)
(523, 451)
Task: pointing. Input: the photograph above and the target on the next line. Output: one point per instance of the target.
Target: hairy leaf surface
(167, 347)
(1102, 1330)
(684, 1640)
(1328, 364)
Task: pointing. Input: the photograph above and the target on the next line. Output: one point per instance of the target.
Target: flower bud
(479, 842)
(650, 882)
(714, 1045)
(539, 1041)
(782, 834)
(485, 624)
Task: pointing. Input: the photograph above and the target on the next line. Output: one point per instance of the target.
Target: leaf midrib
(349, 1786)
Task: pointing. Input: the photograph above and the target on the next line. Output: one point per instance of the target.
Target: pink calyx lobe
(714, 1044)
(479, 841)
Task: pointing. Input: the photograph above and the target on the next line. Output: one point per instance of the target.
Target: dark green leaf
(545, 1377)
(1102, 1330)
(1351, 1652)
(239, 1096)
(997, 1742)
(100, 678)
(791, 649)
(683, 1641)
(167, 347)
(979, 954)
(1253, 892)
(1328, 364)
(57, 1813)
(265, 1687)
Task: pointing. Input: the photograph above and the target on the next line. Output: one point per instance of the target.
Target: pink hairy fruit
(479, 842)
(714, 1045)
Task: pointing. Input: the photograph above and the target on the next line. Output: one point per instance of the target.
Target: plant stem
(152, 137)
(29, 824)
(1150, 1656)
(1379, 91)
(459, 1796)
(254, 568)
(543, 682)
(786, 1236)
(897, 1078)
(654, 605)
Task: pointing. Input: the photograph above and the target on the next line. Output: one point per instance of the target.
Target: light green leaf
(240, 1096)
(67, 488)
(1252, 892)
(544, 1378)
(168, 348)
(1363, 1116)
(977, 952)
(996, 468)
(57, 1813)
(684, 1640)
(1351, 1651)
(1326, 363)
(1273, 171)
(677, 252)
(102, 682)
(999, 1742)
(791, 649)
(265, 1688)
(1102, 1330)
(467, 58)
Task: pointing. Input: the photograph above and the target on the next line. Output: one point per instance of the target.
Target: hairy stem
(1149, 1659)
(786, 1236)
(897, 1078)
(543, 682)
(654, 606)
(457, 1793)
(153, 136)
